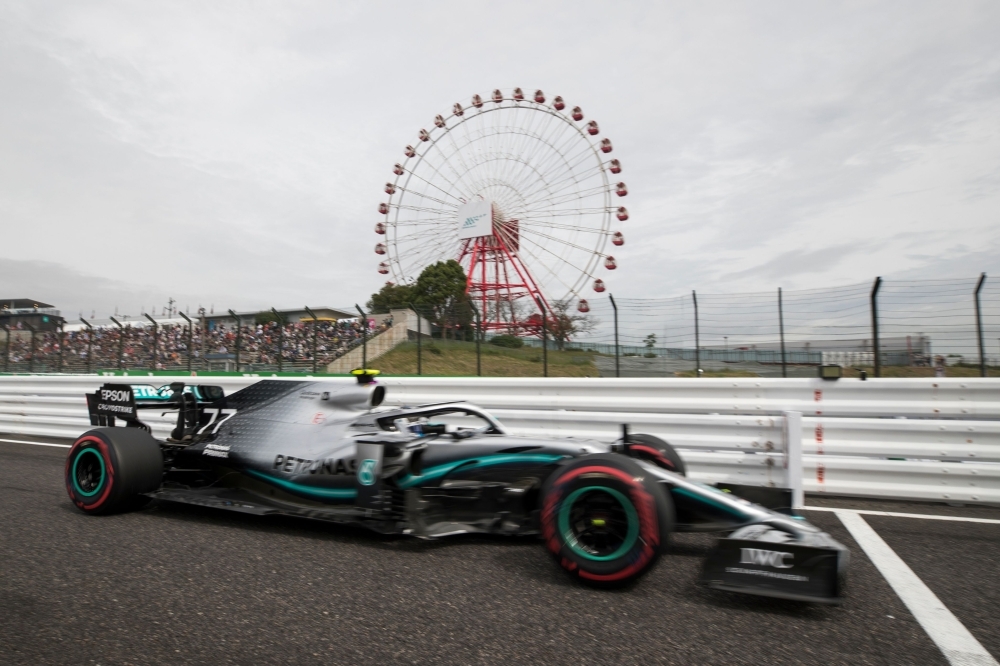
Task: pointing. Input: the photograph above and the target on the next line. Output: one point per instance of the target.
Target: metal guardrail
(932, 439)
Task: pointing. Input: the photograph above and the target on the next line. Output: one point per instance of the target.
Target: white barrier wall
(934, 439)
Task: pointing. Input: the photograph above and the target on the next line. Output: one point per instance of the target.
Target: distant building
(291, 316)
(19, 313)
(913, 344)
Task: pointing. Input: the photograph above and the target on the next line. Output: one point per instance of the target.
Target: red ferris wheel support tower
(496, 276)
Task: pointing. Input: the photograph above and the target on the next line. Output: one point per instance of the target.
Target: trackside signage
(475, 219)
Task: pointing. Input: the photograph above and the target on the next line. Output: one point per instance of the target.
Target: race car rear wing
(123, 401)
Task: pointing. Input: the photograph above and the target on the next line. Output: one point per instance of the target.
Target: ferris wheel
(522, 192)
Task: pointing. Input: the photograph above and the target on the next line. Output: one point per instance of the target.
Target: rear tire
(656, 451)
(604, 519)
(108, 469)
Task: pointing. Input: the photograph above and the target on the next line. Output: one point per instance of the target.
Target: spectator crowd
(259, 346)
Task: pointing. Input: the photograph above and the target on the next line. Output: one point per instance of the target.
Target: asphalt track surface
(174, 584)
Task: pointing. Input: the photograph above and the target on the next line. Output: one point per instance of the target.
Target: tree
(441, 289)
(264, 317)
(562, 325)
(438, 293)
(391, 296)
(650, 341)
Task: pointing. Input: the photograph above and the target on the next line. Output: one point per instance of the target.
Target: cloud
(796, 262)
(238, 152)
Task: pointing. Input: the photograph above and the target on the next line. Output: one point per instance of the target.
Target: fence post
(364, 337)
(479, 330)
(781, 328)
(239, 337)
(875, 344)
(62, 341)
(121, 344)
(979, 328)
(793, 457)
(420, 367)
(6, 352)
(156, 337)
(315, 322)
(31, 358)
(90, 345)
(697, 337)
(190, 351)
(615, 306)
(281, 339)
(545, 338)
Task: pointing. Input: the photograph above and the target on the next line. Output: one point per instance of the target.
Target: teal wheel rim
(83, 475)
(598, 522)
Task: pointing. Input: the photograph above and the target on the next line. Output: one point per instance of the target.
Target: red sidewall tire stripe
(649, 526)
(102, 448)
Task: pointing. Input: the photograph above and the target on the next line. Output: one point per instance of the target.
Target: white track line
(21, 441)
(959, 646)
(925, 516)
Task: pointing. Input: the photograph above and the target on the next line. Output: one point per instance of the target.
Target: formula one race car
(325, 451)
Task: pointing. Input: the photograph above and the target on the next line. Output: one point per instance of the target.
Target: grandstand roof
(22, 304)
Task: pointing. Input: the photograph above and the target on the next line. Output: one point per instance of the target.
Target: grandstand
(210, 343)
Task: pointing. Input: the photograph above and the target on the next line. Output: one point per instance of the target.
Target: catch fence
(882, 328)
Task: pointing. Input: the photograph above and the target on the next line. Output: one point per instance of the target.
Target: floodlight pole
(875, 342)
(121, 344)
(156, 337)
(315, 323)
(281, 339)
(90, 344)
(364, 337)
(190, 338)
(615, 307)
(239, 337)
(979, 327)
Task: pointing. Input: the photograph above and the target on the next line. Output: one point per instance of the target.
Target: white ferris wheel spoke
(440, 189)
(557, 240)
(537, 222)
(416, 209)
(573, 176)
(545, 265)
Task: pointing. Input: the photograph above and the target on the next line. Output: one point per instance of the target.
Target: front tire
(108, 469)
(604, 519)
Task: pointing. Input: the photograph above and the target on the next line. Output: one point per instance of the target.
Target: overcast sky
(234, 153)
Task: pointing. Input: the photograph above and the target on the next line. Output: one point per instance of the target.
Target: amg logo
(766, 558)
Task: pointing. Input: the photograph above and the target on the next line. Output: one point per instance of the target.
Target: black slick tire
(655, 450)
(108, 469)
(604, 519)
